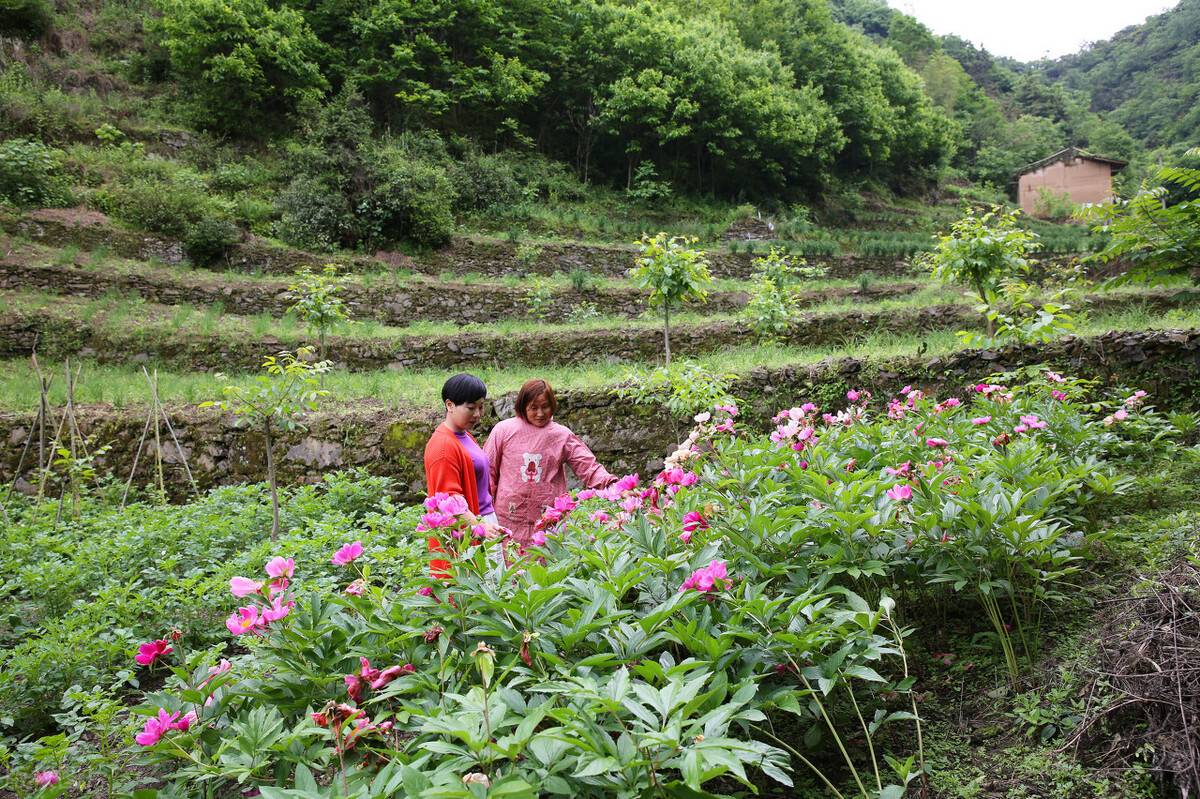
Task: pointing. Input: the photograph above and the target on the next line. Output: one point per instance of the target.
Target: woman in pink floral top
(528, 454)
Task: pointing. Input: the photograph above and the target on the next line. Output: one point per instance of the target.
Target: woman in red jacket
(454, 463)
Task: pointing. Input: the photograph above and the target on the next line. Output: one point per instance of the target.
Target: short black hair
(463, 388)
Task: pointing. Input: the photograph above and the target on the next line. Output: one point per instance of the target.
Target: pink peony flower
(706, 578)
(454, 505)
(356, 588)
(279, 567)
(1055, 377)
(936, 442)
(626, 483)
(347, 554)
(538, 538)
(1032, 422)
(978, 420)
(900, 492)
(1136, 399)
(586, 494)
(686, 536)
(564, 503)
(278, 610)
(152, 651)
(425, 591)
(156, 727)
(701, 418)
(45, 779)
(185, 723)
(431, 501)
(631, 503)
(435, 519)
(903, 470)
(243, 586)
(1058, 395)
(852, 395)
(725, 426)
(244, 620)
(600, 517)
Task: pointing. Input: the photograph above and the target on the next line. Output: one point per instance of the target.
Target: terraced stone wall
(625, 437)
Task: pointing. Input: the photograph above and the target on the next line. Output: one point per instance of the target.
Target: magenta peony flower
(347, 554)
(425, 591)
(538, 538)
(853, 395)
(900, 492)
(243, 586)
(152, 651)
(937, 442)
(279, 567)
(1058, 395)
(45, 779)
(693, 520)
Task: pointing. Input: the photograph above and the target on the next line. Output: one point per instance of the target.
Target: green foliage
(682, 389)
(317, 301)
(1158, 229)
(773, 303)
(539, 298)
(244, 64)
(209, 241)
(981, 251)
(150, 567)
(27, 18)
(410, 200)
(31, 174)
(672, 272)
(275, 403)
(1057, 207)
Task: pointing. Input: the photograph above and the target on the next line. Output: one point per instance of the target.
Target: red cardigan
(448, 469)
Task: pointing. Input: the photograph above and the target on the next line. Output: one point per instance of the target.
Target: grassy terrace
(124, 386)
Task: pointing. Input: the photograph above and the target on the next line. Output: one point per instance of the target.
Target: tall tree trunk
(271, 481)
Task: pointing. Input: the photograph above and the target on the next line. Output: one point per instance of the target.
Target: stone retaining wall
(624, 436)
(391, 302)
(60, 333)
(491, 258)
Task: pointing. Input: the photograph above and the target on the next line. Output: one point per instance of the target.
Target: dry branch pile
(1149, 678)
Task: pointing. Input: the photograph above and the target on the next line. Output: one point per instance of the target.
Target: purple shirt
(479, 460)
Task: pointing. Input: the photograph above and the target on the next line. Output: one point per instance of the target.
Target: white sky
(1031, 29)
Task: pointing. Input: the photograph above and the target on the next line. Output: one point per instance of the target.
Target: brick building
(1083, 177)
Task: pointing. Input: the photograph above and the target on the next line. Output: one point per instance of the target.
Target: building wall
(1084, 180)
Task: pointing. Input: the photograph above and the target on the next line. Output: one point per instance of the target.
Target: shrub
(163, 206)
(30, 18)
(1054, 206)
(209, 241)
(482, 182)
(410, 200)
(31, 174)
(314, 215)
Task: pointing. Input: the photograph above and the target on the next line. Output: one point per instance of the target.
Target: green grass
(124, 386)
